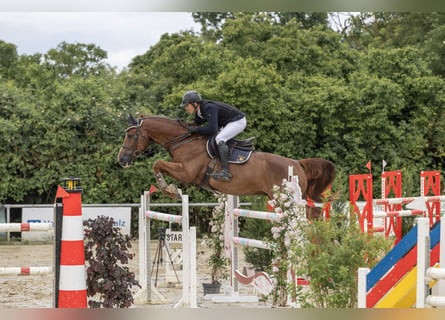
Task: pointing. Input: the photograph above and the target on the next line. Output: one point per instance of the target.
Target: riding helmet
(190, 97)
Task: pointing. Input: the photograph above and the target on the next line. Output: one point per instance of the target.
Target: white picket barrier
(189, 292)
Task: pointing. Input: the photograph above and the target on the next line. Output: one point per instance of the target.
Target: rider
(219, 116)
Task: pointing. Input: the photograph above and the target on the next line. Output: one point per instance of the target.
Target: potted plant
(215, 241)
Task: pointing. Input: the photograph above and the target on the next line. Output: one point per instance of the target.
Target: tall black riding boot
(224, 174)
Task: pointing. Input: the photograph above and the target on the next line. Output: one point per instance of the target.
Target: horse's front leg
(172, 169)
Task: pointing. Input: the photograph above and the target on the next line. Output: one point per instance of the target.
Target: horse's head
(135, 142)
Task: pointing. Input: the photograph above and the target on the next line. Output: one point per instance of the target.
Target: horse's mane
(154, 116)
(162, 117)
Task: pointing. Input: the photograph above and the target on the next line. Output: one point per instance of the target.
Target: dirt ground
(36, 291)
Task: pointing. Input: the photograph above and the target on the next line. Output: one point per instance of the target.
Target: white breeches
(231, 130)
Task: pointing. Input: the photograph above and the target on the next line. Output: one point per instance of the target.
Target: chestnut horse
(191, 161)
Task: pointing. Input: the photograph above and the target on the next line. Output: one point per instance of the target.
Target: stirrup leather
(222, 175)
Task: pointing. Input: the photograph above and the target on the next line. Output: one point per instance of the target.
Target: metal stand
(158, 259)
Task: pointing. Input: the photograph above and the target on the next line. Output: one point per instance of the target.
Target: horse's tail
(320, 174)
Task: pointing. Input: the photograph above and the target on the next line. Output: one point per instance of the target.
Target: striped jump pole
(231, 292)
(25, 227)
(252, 243)
(262, 215)
(271, 216)
(408, 200)
(400, 213)
(25, 271)
(163, 217)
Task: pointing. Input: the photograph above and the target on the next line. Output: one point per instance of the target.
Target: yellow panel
(403, 295)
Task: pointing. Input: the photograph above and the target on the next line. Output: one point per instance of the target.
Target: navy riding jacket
(217, 115)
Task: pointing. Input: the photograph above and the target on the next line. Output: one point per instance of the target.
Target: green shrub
(330, 258)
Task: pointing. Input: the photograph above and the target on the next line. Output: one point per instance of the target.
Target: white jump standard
(189, 295)
(425, 273)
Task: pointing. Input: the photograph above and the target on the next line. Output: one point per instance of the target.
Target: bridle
(169, 145)
(132, 149)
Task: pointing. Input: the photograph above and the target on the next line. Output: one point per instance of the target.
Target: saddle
(239, 150)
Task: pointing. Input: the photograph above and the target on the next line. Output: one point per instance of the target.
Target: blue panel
(393, 256)
(435, 235)
(398, 252)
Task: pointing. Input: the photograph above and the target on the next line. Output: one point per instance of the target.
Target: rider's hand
(192, 129)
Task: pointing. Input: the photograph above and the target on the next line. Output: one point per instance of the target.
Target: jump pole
(25, 271)
(25, 227)
(30, 227)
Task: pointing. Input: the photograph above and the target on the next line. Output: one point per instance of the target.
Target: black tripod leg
(171, 262)
(158, 257)
(154, 261)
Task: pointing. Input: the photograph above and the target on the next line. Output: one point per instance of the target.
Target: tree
(211, 23)
(307, 20)
(76, 59)
(8, 59)
(391, 29)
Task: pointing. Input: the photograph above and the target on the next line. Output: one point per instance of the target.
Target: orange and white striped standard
(72, 283)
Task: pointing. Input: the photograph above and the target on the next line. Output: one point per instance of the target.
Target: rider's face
(189, 108)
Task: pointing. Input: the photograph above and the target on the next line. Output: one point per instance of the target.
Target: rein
(169, 145)
(178, 141)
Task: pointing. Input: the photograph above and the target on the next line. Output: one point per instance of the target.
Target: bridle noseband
(133, 147)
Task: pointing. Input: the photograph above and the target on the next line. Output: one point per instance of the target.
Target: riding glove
(192, 129)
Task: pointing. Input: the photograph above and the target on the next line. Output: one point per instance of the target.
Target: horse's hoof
(172, 192)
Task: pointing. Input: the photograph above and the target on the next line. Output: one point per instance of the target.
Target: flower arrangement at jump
(288, 237)
(218, 261)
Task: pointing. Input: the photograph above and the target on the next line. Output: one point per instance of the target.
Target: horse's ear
(131, 120)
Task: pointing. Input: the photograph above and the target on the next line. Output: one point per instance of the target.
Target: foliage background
(369, 89)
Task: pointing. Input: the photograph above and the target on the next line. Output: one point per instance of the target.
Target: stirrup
(224, 175)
